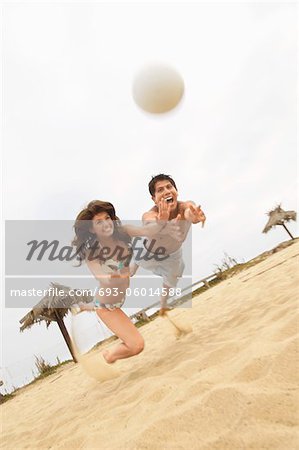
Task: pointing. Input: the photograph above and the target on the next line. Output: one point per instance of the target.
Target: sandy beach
(230, 384)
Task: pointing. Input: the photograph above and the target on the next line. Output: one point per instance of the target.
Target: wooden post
(292, 237)
(65, 334)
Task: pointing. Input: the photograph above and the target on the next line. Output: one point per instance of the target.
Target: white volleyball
(158, 88)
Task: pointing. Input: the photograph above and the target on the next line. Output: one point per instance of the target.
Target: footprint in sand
(180, 328)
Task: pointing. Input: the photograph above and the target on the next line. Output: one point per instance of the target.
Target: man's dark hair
(160, 177)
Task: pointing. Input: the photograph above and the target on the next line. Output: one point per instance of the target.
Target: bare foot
(107, 357)
(163, 311)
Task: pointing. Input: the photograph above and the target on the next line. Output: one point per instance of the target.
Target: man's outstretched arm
(151, 228)
(155, 222)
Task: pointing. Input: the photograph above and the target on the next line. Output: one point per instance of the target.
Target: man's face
(165, 191)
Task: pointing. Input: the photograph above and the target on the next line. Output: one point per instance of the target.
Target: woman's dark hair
(160, 177)
(84, 239)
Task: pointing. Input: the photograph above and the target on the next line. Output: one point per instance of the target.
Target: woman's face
(102, 225)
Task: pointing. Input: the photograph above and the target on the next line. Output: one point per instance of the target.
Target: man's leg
(163, 300)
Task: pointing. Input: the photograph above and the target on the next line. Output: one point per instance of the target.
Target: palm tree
(278, 217)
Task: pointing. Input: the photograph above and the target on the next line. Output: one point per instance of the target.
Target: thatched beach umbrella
(54, 307)
(278, 217)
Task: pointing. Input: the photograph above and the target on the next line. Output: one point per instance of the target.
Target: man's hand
(195, 215)
(163, 210)
(169, 227)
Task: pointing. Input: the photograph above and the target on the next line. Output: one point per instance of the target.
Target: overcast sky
(72, 133)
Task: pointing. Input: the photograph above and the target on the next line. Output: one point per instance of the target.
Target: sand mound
(230, 384)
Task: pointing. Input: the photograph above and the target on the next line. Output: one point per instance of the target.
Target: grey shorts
(171, 269)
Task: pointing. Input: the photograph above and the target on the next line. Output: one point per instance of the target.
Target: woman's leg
(120, 324)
